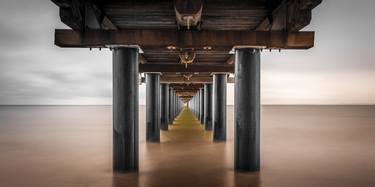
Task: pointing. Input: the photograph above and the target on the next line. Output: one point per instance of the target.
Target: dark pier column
(197, 105)
(220, 107)
(179, 105)
(192, 104)
(201, 107)
(153, 107)
(175, 105)
(188, 104)
(247, 110)
(208, 106)
(171, 118)
(164, 104)
(125, 109)
(172, 105)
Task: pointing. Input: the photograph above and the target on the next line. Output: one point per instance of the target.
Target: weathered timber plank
(178, 86)
(143, 68)
(149, 39)
(191, 81)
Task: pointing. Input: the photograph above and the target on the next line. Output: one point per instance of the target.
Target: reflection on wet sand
(301, 146)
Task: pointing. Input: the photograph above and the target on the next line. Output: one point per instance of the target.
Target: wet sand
(301, 146)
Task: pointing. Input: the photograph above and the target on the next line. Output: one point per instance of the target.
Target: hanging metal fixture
(187, 77)
(187, 57)
(188, 13)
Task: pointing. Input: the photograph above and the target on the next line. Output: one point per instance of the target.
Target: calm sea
(300, 145)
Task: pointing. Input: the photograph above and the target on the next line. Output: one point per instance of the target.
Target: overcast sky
(340, 69)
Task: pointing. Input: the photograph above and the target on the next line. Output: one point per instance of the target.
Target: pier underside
(187, 46)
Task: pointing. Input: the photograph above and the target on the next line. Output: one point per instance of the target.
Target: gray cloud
(339, 69)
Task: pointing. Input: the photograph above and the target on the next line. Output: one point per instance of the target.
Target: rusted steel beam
(193, 80)
(150, 67)
(186, 93)
(149, 39)
(185, 86)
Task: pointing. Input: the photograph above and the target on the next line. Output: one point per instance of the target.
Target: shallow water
(300, 146)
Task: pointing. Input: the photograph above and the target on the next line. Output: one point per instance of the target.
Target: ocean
(300, 146)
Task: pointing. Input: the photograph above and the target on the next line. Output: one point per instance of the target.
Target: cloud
(339, 69)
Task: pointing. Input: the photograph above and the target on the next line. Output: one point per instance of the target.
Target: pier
(184, 51)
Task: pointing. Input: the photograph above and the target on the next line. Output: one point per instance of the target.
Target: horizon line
(341, 104)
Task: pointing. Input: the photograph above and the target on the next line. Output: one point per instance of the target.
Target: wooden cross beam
(216, 39)
(185, 86)
(150, 67)
(193, 80)
(187, 93)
